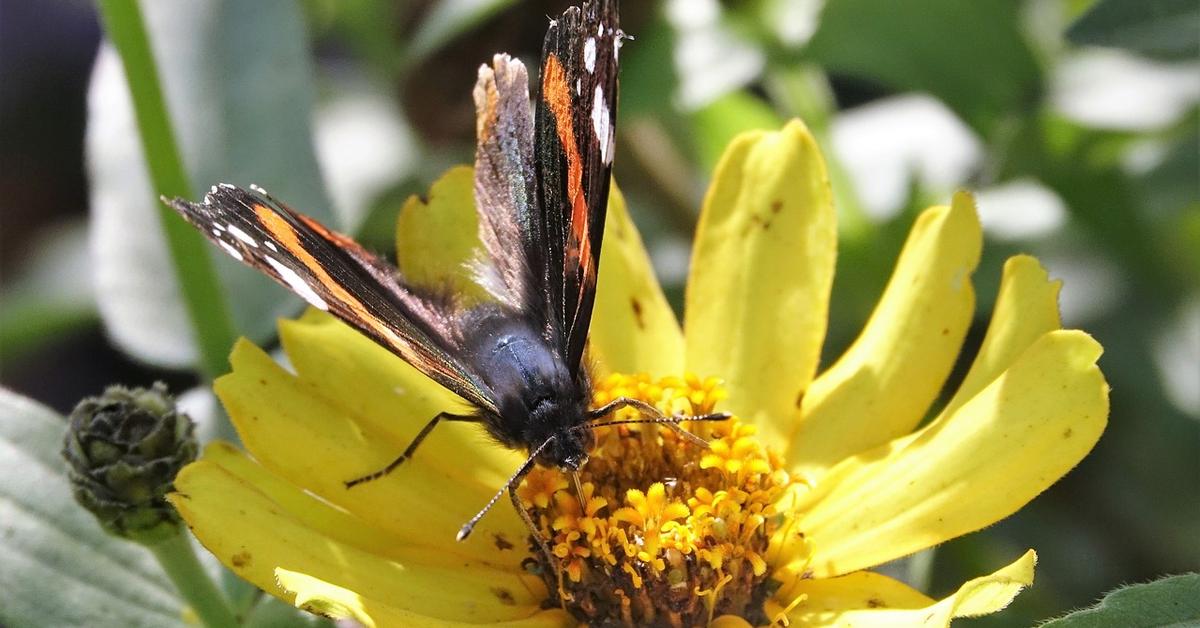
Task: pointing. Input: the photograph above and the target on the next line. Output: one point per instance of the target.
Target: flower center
(666, 532)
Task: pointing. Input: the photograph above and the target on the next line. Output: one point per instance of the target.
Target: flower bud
(123, 450)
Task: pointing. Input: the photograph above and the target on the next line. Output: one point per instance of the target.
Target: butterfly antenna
(671, 421)
(465, 531)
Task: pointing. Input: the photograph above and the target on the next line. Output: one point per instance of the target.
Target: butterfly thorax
(537, 396)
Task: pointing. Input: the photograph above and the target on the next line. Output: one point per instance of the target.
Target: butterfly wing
(574, 147)
(334, 273)
(506, 189)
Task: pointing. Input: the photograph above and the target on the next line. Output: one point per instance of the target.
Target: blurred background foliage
(1075, 122)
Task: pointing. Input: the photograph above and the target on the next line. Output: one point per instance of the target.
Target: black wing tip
(591, 12)
(218, 195)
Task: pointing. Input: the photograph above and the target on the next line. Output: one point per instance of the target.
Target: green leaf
(971, 55)
(1166, 29)
(238, 84)
(48, 295)
(446, 20)
(1170, 601)
(718, 122)
(59, 567)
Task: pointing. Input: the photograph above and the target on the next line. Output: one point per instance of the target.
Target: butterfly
(541, 183)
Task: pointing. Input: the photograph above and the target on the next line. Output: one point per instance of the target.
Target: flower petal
(294, 431)
(883, 384)
(633, 327)
(826, 599)
(255, 535)
(864, 599)
(314, 513)
(336, 602)
(380, 391)
(965, 470)
(1026, 308)
(436, 239)
(762, 269)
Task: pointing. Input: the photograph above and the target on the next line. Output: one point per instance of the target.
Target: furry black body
(539, 397)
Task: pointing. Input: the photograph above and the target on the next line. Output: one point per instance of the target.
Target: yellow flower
(817, 479)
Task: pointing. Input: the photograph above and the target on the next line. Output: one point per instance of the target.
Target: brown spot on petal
(637, 312)
(1067, 433)
(240, 559)
(504, 595)
(776, 206)
(501, 542)
(875, 603)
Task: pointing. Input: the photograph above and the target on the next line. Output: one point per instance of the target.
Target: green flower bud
(123, 450)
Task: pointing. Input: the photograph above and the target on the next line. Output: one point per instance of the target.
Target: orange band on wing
(557, 95)
(286, 236)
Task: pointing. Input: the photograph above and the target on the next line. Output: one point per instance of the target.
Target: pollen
(661, 531)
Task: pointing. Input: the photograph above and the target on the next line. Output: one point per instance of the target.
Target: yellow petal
(824, 599)
(330, 600)
(884, 383)
(633, 327)
(963, 471)
(312, 512)
(383, 394)
(868, 600)
(762, 268)
(1026, 308)
(295, 432)
(436, 239)
(254, 536)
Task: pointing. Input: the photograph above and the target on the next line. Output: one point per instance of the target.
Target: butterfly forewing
(333, 273)
(574, 148)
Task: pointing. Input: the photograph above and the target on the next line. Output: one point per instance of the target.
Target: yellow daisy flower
(817, 478)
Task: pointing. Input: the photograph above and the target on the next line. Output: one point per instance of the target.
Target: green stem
(205, 303)
(179, 560)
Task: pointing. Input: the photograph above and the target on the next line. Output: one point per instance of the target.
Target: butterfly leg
(412, 447)
(658, 417)
(533, 531)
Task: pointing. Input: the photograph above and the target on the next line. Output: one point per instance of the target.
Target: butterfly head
(567, 449)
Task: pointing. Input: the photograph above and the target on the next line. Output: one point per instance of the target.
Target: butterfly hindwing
(506, 187)
(574, 147)
(334, 273)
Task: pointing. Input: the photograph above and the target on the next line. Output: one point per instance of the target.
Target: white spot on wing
(589, 55)
(242, 235)
(255, 188)
(601, 124)
(216, 231)
(237, 255)
(297, 284)
(271, 245)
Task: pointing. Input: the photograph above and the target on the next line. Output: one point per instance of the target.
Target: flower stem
(205, 303)
(179, 560)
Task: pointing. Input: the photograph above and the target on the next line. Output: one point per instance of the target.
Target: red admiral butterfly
(541, 189)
